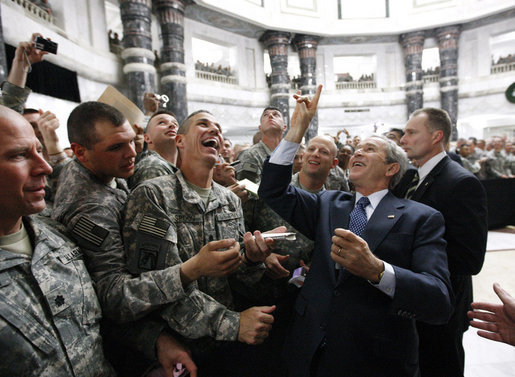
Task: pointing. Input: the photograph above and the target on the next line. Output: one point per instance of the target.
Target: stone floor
(483, 357)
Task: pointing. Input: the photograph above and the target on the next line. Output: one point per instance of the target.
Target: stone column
(447, 38)
(306, 46)
(412, 46)
(277, 43)
(170, 14)
(137, 54)
(3, 58)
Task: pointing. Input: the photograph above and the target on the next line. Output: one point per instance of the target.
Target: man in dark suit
(460, 197)
(361, 320)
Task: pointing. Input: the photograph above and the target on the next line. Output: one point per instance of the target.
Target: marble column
(306, 46)
(137, 54)
(412, 46)
(277, 43)
(447, 38)
(170, 14)
(3, 58)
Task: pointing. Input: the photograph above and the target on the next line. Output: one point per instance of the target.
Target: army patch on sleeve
(153, 226)
(89, 231)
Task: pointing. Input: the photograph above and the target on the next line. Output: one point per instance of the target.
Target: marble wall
(83, 47)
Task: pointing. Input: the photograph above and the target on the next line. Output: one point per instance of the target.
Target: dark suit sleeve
(466, 227)
(424, 289)
(297, 207)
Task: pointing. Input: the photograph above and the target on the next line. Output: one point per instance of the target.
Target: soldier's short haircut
(437, 120)
(183, 129)
(168, 112)
(271, 108)
(82, 120)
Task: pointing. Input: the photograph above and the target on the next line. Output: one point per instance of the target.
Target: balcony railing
(501, 68)
(33, 9)
(210, 76)
(356, 85)
(428, 79)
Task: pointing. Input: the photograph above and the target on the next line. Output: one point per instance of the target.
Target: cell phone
(45, 45)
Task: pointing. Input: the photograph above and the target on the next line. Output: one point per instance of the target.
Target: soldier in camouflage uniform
(190, 224)
(336, 180)
(89, 202)
(49, 313)
(272, 127)
(161, 155)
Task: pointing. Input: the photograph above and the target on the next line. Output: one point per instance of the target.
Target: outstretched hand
(495, 321)
(304, 112)
(25, 55)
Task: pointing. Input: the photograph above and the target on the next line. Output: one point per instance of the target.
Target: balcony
(211, 76)
(501, 68)
(355, 85)
(430, 79)
(32, 9)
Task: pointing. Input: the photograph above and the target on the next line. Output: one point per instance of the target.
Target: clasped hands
(352, 252)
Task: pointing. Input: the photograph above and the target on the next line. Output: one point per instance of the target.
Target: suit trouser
(441, 346)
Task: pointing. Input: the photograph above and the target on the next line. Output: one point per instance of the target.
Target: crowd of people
(206, 67)
(147, 252)
(347, 77)
(510, 58)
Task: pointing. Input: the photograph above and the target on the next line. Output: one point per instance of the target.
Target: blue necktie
(358, 217)
(358, 220)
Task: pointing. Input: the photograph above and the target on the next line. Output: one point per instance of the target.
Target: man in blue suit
(359, 319)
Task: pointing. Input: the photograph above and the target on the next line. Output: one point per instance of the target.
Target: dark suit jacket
(460, 197)
(367, 333)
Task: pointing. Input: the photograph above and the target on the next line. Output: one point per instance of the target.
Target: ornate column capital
(448, 36)
(412, 42)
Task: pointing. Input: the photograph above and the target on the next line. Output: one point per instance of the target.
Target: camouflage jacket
(49, 313)
(151, 165)
(167, 223)
(337, 180)
(252, 162)
(92, 213)
(13, 96)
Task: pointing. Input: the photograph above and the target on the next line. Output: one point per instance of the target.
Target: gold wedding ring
(339, 251)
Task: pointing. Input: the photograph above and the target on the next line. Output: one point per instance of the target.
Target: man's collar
(424, 170)
(374, 198)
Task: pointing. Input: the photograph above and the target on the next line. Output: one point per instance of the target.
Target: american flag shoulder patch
(89, 231)
(153, 226)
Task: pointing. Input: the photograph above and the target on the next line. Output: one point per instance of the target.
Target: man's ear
(179, 141)
(147, 139)
(335, 162)
(80, 152)
(438, 136)
(392, 169)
